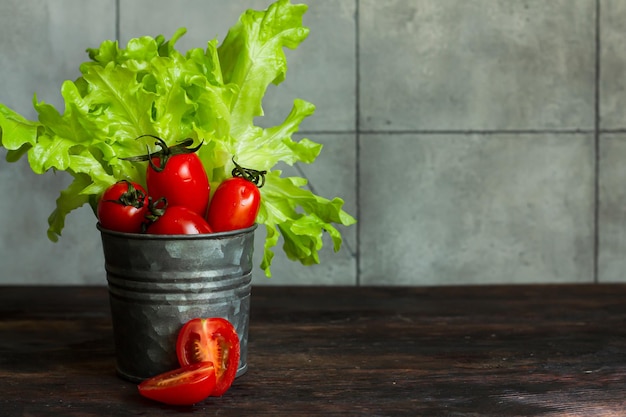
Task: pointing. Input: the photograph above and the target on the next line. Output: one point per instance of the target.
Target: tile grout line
(596, 177)
(466, 132)
(117, 20)
(357, 159)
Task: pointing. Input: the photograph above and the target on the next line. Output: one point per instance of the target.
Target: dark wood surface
(556, 350)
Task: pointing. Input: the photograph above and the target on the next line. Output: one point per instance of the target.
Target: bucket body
(159, 282)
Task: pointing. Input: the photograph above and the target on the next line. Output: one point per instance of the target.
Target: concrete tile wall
(477, 141)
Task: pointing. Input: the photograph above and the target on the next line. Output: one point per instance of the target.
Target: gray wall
(477, 141)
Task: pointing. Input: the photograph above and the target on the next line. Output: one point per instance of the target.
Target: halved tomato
(184, 386)
(214, 340)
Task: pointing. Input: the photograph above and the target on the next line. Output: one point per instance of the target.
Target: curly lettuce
(211, 94)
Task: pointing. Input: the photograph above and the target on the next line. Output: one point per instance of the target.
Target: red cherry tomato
(181, 180)
(179, 220)
(123, 207)
(214, 340)
(235, 205)
(184, 386)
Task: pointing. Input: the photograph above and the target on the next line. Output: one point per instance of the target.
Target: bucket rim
(204, 236)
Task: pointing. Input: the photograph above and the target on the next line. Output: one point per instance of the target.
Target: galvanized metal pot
(157, 283)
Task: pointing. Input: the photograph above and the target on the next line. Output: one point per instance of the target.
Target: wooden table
(449, 351)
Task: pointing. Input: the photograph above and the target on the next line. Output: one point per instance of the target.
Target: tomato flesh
(184, 386)
(178, 220)
(182, 182)
(234, 205)
(214, 340)
(123, 207)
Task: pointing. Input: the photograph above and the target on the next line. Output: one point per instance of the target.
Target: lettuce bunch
(211, 95)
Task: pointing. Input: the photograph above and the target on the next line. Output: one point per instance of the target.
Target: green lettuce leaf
(301, 217)
(17, 134)
(211, 94)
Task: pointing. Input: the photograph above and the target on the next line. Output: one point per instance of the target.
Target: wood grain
(552, 350)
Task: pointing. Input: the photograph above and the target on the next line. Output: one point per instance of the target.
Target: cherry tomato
(181, 179)
(179, 220)
(184, 386)
(123, 207)
(214, 340)
(235, 205)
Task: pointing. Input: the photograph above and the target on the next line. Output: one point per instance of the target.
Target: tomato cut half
(184, 386)
(214, 340)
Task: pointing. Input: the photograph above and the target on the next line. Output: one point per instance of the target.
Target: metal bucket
(157, 283)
